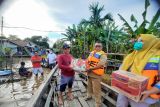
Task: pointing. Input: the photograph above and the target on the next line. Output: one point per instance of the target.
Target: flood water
(17, 94)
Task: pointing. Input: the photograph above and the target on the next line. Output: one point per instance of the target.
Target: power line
(32, 29)
(41, 30)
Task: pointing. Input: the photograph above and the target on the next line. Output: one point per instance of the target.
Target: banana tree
(142, 28)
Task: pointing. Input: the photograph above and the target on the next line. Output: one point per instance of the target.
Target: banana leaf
(133, 19)
(154, 19)
(126, 24)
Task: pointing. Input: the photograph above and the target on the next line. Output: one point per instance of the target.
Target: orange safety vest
(93, 60)
(153, 74)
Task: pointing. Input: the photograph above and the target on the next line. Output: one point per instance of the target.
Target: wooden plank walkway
(109, 95)
(79, 93)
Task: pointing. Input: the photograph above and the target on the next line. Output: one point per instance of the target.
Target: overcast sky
(56, 15)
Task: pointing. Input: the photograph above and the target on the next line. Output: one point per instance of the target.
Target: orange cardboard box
(129, 84)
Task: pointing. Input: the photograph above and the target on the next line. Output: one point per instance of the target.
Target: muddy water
(17, 94)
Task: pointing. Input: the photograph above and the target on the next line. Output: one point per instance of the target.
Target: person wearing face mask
(95, 70)
(144, 60)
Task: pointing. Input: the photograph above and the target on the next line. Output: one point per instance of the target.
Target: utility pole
(1, 42)
(1, 32)
(2, 27)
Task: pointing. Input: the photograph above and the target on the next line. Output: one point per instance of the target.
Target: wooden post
(1, 33)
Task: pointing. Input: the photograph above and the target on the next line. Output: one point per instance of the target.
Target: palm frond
(154, 20)
(133, 19)
(141, 29)
(84, 22)
(147, 3)
(108, 16)
(126, 24)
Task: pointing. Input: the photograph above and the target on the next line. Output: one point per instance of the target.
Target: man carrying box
(144, 60)
(96, 62)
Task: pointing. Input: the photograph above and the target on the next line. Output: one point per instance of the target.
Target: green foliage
(84, 35)
(39, 40)
(3, 37)
(7, 51)
(156, 29)
(155, 18)
(142, 28)
(127, 27)
(1, 55)
(13, 37)
(102, 28)
(57, 46)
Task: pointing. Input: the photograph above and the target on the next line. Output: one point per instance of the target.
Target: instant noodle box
(129, 84)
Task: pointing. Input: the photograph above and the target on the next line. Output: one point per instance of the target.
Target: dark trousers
(51, 66)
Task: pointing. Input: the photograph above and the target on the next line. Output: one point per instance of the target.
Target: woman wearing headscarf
(144, 60)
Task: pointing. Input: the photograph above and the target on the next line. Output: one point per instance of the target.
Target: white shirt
(51, 58)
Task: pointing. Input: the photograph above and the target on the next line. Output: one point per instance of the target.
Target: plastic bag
(78, 65)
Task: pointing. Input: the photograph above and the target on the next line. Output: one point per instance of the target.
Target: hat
(22, 63)
(65, 46)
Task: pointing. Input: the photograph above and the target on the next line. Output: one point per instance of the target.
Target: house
(26, 47)
(19, 47)
(5, 43)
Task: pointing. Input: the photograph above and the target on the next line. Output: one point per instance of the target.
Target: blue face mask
(138, 46)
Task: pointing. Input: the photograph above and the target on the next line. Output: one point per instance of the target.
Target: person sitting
(23, 71)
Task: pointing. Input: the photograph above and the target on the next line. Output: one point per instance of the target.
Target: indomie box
(129, 84)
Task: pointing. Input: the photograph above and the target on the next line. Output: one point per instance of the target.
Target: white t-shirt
(51, 58)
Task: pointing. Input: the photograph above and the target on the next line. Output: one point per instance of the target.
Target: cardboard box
(129, 84)
(78, 65)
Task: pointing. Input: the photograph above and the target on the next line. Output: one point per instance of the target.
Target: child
(23, 71)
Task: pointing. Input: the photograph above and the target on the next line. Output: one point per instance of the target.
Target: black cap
(22, 63)
(65, 46)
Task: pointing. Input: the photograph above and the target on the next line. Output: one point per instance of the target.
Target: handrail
(32, 102)
(49, 95)
(116, 54)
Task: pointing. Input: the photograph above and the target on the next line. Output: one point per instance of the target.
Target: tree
(96, 22)
(71, 33)
(142, 28)
(3, 37)
(39, 40)
(57, 46)
(13, 37)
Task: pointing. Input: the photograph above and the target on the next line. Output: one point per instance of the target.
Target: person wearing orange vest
(144, 60)
(95, 69)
